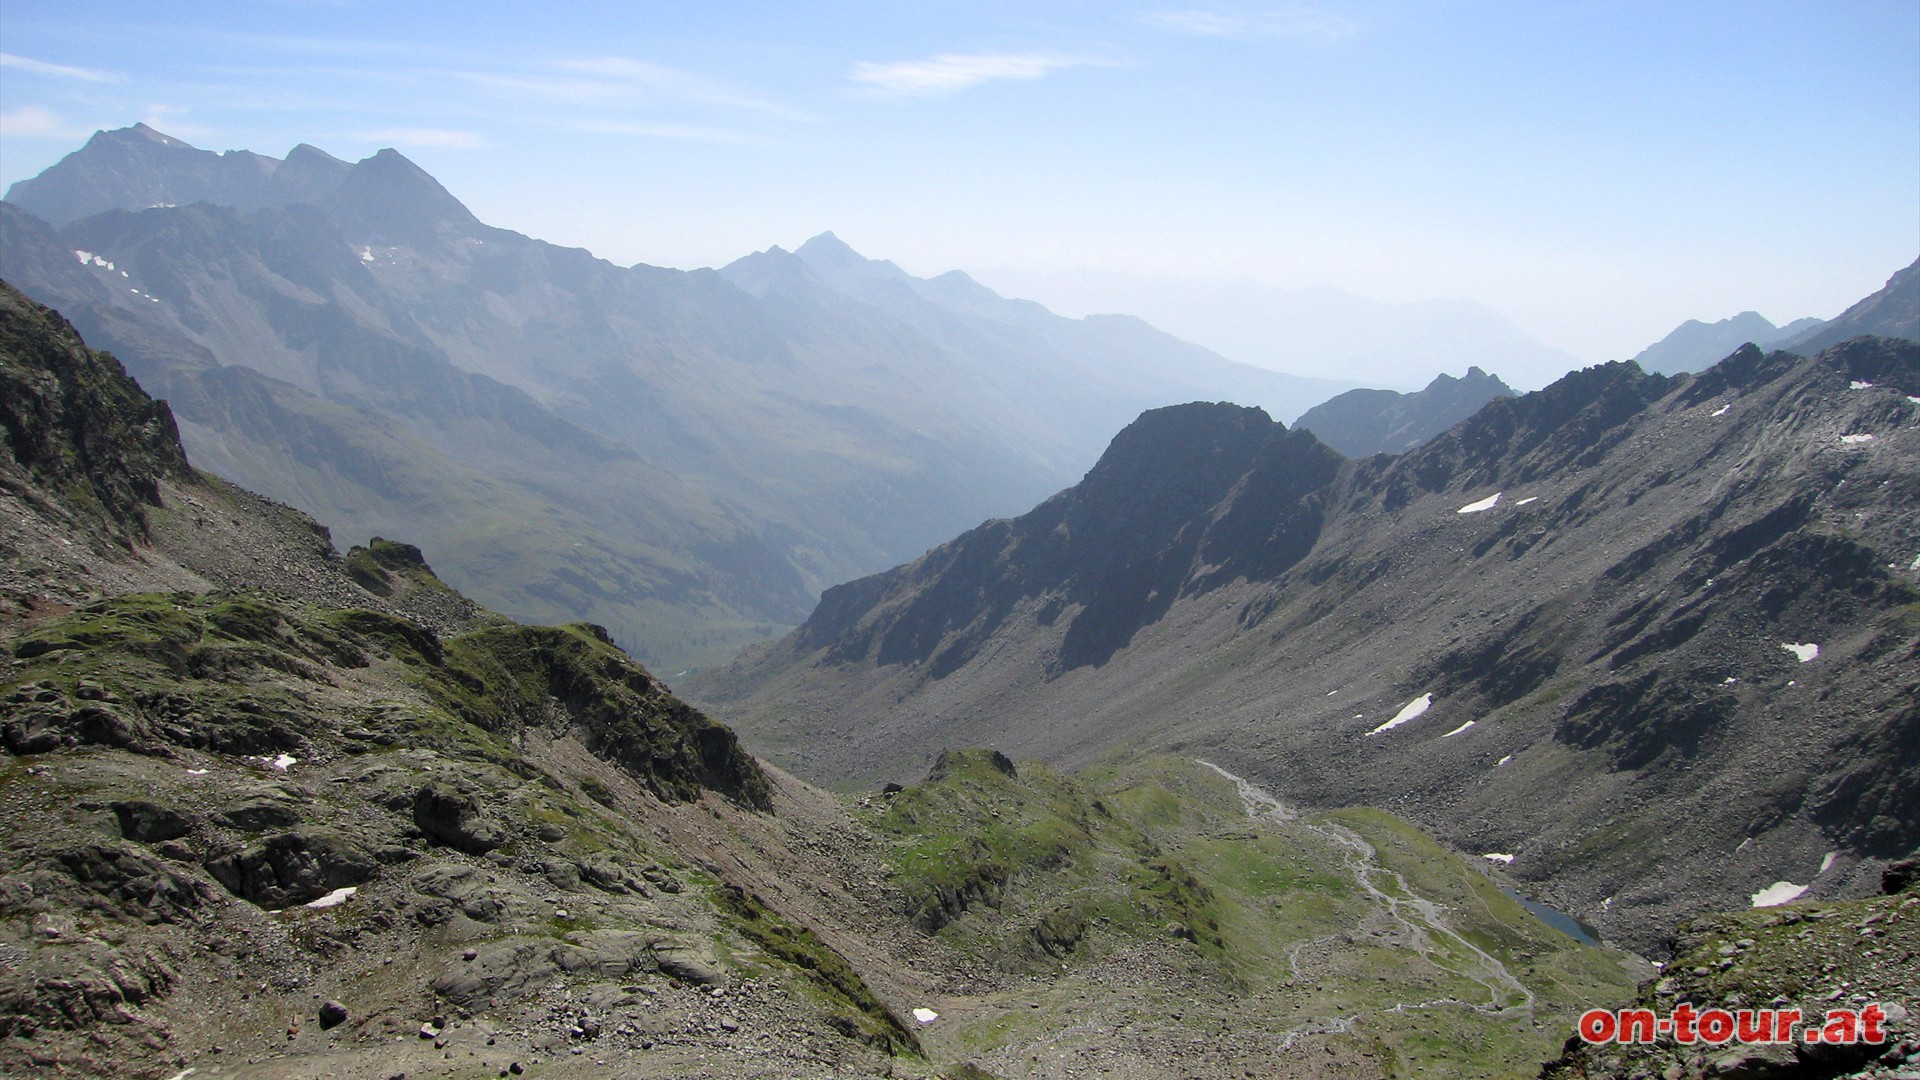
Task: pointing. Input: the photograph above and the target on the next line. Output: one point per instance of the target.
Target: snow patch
(1826, 864)
(925, 1015)
(1780, 892)
(1330, 693)
(1916, 563)
(1915, 400)
(1528, 499)
(1487, 503)
(1859, 384)
(1457, 730)
(1804, 652)
(334, 898)
(1498, 856)
(1860, 438)
(366, 254)
(1728, 681)
(196, 772)
(1410, 711)
(1721, 411)
(278, 763)
(1503, 761)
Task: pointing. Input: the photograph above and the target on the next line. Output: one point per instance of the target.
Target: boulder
(259, 815)
(151, 823)
(1900, 876)
(292, 868)
(455, 820)
(135, 882)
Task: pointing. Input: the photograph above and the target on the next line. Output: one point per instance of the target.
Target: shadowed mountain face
(686, 458)
(1593, 610)
(1360, 423)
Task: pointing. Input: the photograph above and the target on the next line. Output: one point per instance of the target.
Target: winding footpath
(1420, 922)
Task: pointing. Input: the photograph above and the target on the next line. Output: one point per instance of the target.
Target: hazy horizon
(1594, 177)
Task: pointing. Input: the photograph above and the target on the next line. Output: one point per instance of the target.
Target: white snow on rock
(1487, 503)
(1498, 856)
(279, 763)
(1503, 761)
(1721, 411)
(85, 257)
(1728, 681)
(1916, 563)
(1853, 439)
(1528, 499)
(196, 772)
(925, 1015)
(1804, 652)
(1915, 400)
(1826, 864)
(1457, 730)
(1410, 711)
(1780, 892)
(334, 898)
(1859, 384)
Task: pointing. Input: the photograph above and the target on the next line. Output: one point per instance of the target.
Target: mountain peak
(142, 133)
(775, 270)
(830, 253)
(389, 196)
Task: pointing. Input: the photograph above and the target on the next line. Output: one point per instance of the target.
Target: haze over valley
(1338, 541)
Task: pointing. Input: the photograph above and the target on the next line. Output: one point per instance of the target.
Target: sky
(1596, 172)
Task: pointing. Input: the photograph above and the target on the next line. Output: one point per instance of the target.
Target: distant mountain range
(1652, 637)
(686, 457)
(1320, 331)
(1696, 346)
(1363, 422)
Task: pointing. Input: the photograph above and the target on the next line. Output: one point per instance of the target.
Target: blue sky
(1597, 171)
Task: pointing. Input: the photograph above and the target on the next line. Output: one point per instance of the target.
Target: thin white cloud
(950, 73)
(58, 71)
(439, 138)
(681, 132)
(1300, 23)
(667, 82)
(37, 122)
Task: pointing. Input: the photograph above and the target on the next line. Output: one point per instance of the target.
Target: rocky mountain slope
(680, 458)
(1361, 423)
(1654, 638)
(275, 812)
(1894, 311)
(1805, 959)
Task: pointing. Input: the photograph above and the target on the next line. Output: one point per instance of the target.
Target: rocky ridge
(1577, 629)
